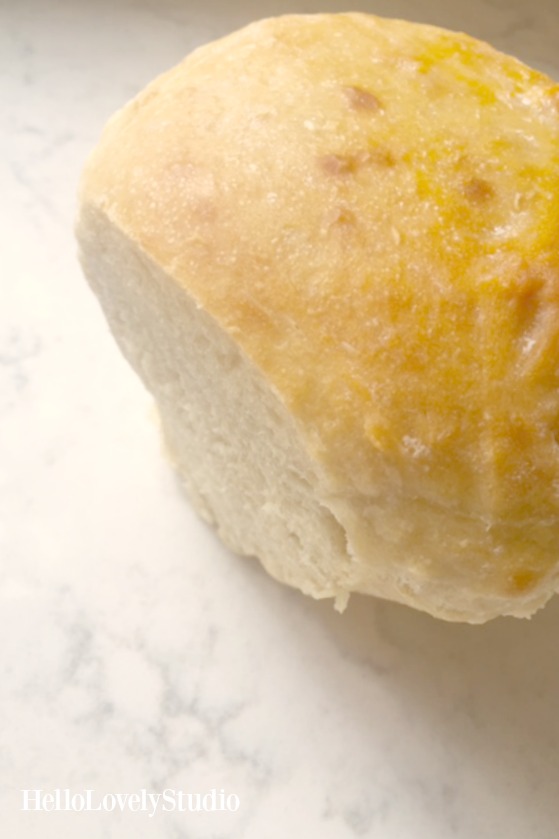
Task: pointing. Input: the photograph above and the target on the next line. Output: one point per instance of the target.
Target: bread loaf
(329, 245)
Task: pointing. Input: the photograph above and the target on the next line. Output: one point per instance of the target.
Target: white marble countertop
(136, 652)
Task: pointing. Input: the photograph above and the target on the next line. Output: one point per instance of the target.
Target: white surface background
(135, 651)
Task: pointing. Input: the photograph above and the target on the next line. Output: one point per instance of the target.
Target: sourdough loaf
(329, 245)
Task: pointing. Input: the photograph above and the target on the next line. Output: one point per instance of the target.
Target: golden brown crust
(371, 208)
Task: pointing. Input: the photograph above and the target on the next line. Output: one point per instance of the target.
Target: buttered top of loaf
(372, 208)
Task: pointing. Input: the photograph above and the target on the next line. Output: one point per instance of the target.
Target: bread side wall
(232, 441)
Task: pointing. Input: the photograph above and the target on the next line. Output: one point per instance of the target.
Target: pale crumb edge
(341, 600)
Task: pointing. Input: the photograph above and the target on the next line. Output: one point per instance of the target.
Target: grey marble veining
(135, 651)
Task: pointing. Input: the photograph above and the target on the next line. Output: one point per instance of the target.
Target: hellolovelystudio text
(150, 803)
